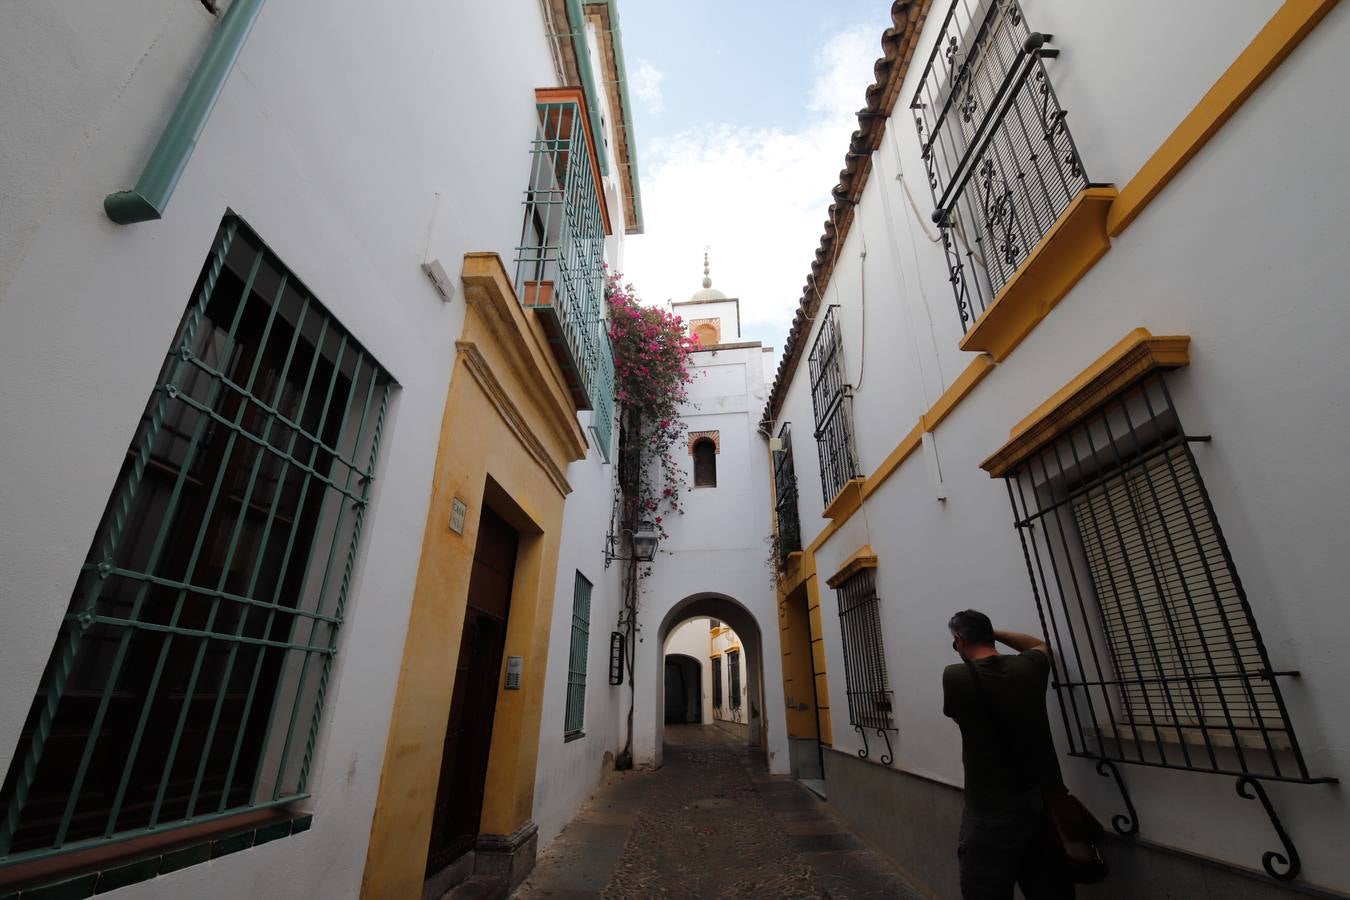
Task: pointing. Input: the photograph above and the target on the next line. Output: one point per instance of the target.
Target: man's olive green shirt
(1008, 752)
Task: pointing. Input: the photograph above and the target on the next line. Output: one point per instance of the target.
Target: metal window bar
(235, 522)
(717, 682)
(562, 250)
(575, 715)
(734, 679)
(832, 406)
(868, 687)
(1159, 658)
(785, 496)
(1000, 160)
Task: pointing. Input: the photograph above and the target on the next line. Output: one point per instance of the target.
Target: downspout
(583, 55)
(170, 157)
(617, 42)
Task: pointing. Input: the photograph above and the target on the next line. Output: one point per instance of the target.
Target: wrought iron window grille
(832, 403)
(785, 496)
(1158, 660)
(616, 657)
(870, 699)
(734, 679)
(999, 157)
(574, 717)
(189, 677)
(717, 682)
(560, 260)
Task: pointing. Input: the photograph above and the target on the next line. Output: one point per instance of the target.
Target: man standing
(1009, 756)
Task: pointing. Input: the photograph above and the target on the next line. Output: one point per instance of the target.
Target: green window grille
(575, 716)
(190, 672)
(560, 261)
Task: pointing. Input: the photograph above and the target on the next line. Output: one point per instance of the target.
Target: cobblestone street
(710, 823)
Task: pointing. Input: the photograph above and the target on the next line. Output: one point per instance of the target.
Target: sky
(743, 111)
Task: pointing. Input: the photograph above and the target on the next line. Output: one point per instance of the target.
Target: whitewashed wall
(691, 639)
(331, 138)
(1244, 251)
(719, 546)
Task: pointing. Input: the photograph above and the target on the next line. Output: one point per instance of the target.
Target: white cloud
(646, 86)
(758, 196)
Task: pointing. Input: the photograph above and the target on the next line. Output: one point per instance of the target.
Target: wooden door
(468, 734)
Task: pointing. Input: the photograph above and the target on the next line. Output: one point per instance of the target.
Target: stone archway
(650, 728)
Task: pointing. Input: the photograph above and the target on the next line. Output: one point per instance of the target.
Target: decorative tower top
(707, 281)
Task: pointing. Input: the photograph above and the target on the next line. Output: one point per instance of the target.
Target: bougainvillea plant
(652, 375)
(651, 383)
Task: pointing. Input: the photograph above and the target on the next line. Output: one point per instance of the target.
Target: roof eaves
(897, 43)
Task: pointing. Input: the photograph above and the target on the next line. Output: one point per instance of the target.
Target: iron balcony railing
(999, 157)
(785, 497)
(189, 677)
(867, 684)
(1158, 660)
(560, 261)
(831, 402)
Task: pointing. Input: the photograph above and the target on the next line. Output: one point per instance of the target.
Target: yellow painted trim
(908, 444)
(1072, 246)
(846, 502)
(1138, 353)
(502, 420)
(862, 558)
(1290, 24)
(974, 373)
(524, 346)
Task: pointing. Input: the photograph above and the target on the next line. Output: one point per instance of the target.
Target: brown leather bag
(1074, 834)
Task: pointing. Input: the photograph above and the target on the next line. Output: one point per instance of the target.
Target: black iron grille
(717, 682)
(832, 405)
(869, 693)
(1159, 660)
(1000, 160)
(785, 496)
(734, 678)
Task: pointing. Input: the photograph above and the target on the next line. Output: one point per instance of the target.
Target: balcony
(560, 258)
(1020, 221)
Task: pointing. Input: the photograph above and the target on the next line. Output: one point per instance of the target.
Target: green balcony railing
(560, 259)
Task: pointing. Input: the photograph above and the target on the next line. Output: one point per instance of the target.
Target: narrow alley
(753, 834)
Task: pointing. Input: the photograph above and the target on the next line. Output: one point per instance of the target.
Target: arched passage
(745, 624)
(683, 690)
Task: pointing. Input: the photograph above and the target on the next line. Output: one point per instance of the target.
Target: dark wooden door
(468, 734)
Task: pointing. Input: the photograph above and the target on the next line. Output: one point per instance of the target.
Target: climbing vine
(652, 377)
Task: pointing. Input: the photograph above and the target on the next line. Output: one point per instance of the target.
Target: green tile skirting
(121, 874)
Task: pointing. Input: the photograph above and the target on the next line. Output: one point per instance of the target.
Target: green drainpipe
(583, 55)
(170, 157)
(635, 227)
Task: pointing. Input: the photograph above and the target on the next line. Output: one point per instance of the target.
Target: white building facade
(246, 705)
(1097, 396)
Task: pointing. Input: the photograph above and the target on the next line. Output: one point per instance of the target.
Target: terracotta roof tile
(897, 44)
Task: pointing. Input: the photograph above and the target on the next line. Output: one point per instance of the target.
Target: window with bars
(1159, 660)
(867, 684)
(575, 717)
(717, 682)
(833, 407)
(190, 673)
(734, 679)
(560, 260)
(1000, 161)
(785, 496)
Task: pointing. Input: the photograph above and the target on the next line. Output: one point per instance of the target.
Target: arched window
(705, 463)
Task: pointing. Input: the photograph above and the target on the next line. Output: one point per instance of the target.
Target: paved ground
(710, 823)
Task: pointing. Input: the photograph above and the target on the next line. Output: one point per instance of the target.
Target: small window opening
(705, 463)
